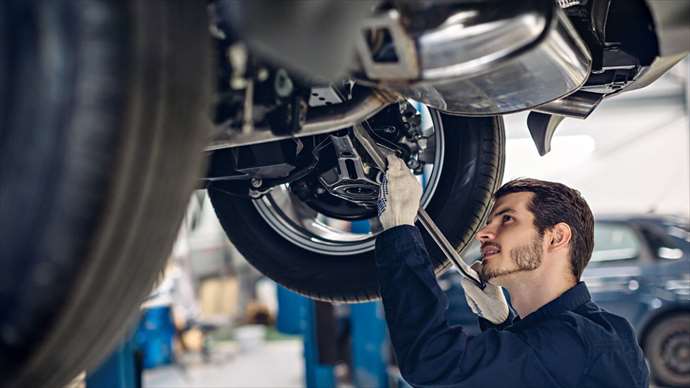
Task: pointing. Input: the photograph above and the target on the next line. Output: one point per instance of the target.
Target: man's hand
(399, 195)
(489, 303)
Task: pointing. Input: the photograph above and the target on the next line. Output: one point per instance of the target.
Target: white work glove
(399, 195)
(489, 303)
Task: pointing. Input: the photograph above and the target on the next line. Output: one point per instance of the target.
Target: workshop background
(214, 321)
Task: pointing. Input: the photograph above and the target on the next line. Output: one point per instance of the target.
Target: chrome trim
(319, 120)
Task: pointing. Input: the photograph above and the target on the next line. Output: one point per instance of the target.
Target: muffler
(482, 59)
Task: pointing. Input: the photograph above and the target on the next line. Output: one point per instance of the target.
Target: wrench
(370, 146)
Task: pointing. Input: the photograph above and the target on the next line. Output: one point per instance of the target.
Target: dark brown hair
(553, 203)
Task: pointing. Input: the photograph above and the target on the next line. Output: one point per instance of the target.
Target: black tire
(667, 347)
(102, 122)
(472, 171)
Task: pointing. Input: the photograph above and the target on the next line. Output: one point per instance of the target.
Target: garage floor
(276, 364)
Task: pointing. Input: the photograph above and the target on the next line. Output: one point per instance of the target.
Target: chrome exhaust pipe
(320, 120)
(578, 105)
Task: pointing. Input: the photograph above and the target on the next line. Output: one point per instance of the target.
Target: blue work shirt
(569, 342)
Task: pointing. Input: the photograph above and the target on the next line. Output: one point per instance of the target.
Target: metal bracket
(351, 179)
(406, 66)
(542, 126)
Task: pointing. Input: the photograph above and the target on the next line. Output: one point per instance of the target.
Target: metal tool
(370, 146)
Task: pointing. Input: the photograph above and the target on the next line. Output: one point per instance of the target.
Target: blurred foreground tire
(102, 122)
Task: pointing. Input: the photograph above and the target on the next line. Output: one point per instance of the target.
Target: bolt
(320, 190)
(283, 84)
(256, 182)
(262, 74)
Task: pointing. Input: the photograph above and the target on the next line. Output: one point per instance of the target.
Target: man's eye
(507, 218)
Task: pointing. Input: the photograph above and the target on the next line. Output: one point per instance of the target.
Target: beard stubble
(525, 258)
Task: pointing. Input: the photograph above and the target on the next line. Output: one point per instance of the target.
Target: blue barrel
(155, 336)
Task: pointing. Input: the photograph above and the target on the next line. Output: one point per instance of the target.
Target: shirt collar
(568, 301)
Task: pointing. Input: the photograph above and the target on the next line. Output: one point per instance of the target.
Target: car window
(677, 230)
(662, 245)
(614, 242)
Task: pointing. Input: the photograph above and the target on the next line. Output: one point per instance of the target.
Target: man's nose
(487, 233)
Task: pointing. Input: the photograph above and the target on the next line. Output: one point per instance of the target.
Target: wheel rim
(675, 353)
(298, 223)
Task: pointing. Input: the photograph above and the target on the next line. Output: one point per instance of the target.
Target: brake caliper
(399, 128)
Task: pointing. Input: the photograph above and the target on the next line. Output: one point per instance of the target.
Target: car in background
(640, 270)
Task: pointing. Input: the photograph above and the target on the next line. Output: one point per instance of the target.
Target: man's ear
(560, 235)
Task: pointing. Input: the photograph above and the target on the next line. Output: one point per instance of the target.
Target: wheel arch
(651, 320)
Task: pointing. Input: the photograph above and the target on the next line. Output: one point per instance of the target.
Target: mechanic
(536, 242)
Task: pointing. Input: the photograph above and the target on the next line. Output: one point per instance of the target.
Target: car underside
(110, 108)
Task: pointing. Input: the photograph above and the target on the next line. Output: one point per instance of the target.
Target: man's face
(510, 241)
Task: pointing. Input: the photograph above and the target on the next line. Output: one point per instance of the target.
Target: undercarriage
(282, 125)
